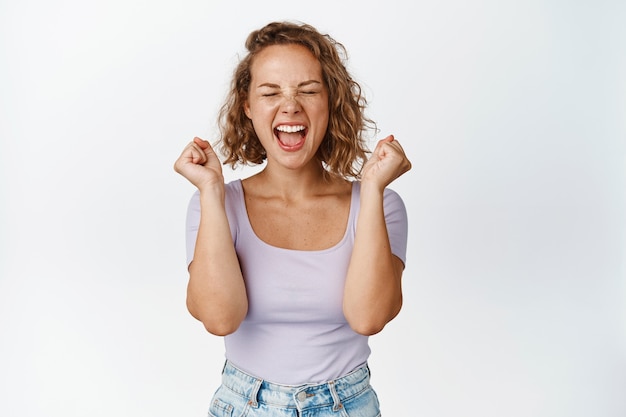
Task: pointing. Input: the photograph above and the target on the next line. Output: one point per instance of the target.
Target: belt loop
(337, 402)
(254, 394)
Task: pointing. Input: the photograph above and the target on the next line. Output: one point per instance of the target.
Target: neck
(289, 184)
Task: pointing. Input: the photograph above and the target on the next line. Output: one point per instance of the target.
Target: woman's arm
(216, 293)
(373, 291)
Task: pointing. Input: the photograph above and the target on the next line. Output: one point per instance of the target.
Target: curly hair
(343, 149)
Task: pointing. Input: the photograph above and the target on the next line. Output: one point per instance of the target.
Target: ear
(246, 109)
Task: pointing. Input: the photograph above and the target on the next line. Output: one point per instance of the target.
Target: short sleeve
(192, 224)
(233, 203)
(397, 223)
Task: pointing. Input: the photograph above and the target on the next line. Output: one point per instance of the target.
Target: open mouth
(290, 137)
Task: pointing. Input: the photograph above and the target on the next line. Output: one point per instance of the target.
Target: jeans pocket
(219, 408)
(227, 403)
(365, 404)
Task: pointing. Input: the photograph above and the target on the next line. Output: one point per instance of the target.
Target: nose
(290, 104)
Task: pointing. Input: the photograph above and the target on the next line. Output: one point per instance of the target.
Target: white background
(513, 114)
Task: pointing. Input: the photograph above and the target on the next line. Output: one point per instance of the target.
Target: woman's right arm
(216, 293)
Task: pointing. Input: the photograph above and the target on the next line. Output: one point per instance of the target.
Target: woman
(298, 264)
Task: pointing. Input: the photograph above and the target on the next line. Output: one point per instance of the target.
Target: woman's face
(288, 104)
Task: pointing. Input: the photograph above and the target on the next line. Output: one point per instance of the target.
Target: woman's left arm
(373, 290)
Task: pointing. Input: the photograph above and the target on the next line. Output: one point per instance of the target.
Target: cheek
(261, 110)
(323, 115)
(320, 110)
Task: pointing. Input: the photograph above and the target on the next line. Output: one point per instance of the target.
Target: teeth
(289, 129)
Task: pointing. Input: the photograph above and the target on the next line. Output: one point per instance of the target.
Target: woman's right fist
(199, 164)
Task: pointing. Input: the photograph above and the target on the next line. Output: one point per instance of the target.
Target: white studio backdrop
(513, 114)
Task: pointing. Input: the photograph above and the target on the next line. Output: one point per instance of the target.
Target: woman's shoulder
(389, 193)
(233, 186)
(234, 195)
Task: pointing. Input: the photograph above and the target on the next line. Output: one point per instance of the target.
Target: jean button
(301, 396)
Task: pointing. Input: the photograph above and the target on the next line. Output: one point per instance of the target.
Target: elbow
(366, 325)
(216, 324)
(366, 328)
(369, 323)
(220, 328)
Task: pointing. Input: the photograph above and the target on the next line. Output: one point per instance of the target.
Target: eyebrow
(302, 84)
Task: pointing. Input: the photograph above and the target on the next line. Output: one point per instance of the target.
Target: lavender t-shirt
(295, 331)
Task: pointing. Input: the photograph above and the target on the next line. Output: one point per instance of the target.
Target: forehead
(281, 64)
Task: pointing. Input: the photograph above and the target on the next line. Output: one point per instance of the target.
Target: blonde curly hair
(343, 149)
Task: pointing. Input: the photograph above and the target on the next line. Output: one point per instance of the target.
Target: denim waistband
(333, 392)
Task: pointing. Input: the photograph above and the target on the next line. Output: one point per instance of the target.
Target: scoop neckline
(244, 212)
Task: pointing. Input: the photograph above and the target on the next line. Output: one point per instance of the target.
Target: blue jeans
(243, 395)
